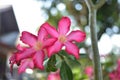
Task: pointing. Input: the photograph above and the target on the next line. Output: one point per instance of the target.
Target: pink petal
(23, 66)
(42, 33)
(77, 36)
(89, 71)
(11, 65)
(49, 42)
(26, 63)
(112, 76)
(28, 38)
(25, 54)
(54, 75)
(38, 59)
(64, 25)
(12, 58)
(56, 47)
(72, 49)
(31, 64)
(12, 61)
(19, 47)
(50, 29)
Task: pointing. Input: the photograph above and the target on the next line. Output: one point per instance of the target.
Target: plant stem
(92, 23)
(96, 57)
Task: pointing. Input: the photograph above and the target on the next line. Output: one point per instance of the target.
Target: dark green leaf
(65, 72)
(51, 64)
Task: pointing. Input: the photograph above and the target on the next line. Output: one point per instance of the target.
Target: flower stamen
(38, 46)
(62, 38)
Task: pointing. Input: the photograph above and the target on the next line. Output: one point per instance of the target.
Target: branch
(89, 4)
(100, 4)
(92, 23)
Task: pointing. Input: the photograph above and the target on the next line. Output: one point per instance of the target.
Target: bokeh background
(27, 15)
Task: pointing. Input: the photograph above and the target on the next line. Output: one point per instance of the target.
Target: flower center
(38, 46)
(62, 38)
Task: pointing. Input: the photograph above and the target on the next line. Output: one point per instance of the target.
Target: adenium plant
(46, 43)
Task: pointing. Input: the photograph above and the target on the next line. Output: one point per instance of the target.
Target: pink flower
(13, 60)
(54, 75)
(33, 55)
(115, 75)
(89, 71)
(63, 38)
(112, 75)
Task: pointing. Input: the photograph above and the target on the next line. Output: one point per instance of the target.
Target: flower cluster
(46, 43)
(115, 75)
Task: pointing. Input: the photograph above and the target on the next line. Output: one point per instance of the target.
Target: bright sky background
(29, 17)
(27, 12)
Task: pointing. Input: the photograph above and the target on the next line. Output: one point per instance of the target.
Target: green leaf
(51, 64)
(65, 72)
(71, 59)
